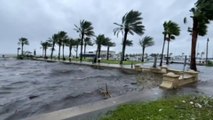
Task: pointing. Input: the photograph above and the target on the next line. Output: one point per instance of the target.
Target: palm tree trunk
(207, 50)
(42, 52)
(85, 49)
(70, 51)
(17, 52)
(107, 52)
(161, 59)
(76, 52)
(82, 38)
(99, 51)
(167, 59)
(194, 42)
(53, 46)
(59, 52)
(143, 51)
(22, 49)
(63, 52)
(45, 53)
(124, 47)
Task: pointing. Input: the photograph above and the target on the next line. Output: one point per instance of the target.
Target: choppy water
(54, 86)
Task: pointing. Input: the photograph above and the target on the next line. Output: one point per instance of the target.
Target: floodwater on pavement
(32, 87)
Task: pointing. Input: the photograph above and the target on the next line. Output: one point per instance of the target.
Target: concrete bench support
(177, 79)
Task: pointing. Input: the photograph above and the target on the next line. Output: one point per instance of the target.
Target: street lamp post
(207, 49)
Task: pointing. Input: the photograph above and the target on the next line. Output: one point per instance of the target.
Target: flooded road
(31, 87)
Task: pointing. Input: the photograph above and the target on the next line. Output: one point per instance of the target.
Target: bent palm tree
(172, 30)
(77, 43)
(53, 41)
(164, 41)
(85, 29)
(45, 46)
(71, 44)
(109, 44)
(100, 40)
(87, 41)
(23, 41)
(147, 41)
(61, 36)
(202, 15)
(65, 43)
(131, 23)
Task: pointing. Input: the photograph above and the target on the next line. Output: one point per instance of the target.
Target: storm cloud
(38, 20)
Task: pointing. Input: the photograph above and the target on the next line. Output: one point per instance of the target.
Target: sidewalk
(89, 63)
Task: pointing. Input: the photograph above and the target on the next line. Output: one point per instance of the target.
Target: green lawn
(178, 108)
(210, 63)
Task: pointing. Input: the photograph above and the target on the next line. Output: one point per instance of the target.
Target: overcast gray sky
(38, 20)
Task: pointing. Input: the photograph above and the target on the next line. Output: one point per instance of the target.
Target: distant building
(103, 54)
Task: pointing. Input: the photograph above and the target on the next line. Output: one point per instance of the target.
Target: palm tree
(202, 15)
(172, 30)
(109, 44)
(77, 43)
(131, 23)
(53, 41)
(101, 40)
(45, 45)
(147, 41)
(65, 43)
(85, 29)
(164, 41)
(87, 41)
(23, 41)
(61, 36)
(71, 44)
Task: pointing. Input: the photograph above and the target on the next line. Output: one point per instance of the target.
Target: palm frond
(171, 28)
(131, 22)
(23, 41)
(117, 31)
(128, 42)
(146, 41)
(85, 28)
(120, 25)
